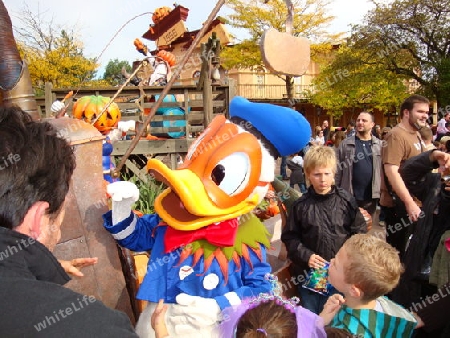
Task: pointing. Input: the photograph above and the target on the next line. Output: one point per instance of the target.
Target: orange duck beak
(219, 179)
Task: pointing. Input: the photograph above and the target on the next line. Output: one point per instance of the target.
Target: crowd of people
(395, 286)
(396, 170)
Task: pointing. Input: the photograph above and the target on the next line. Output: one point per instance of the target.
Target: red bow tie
(221, 234)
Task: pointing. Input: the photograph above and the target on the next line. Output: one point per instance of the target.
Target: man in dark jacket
(432, 223)
(35, 172)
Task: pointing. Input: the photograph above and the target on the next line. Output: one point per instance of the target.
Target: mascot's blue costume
(208, 251)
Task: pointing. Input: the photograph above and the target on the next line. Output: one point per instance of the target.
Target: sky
(97, 22)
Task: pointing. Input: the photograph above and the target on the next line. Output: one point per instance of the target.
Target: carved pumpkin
(87, 108)
(160, 13)
(167, 56)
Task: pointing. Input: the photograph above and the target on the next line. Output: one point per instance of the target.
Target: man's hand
(72, 267)
(331, 307)
(413, 210)
(442, 158)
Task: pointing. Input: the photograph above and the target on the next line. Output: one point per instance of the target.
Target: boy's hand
(72, 267)
(316, 261)
(420, 322)
(158, 320)
(367, 218)
(331, 307)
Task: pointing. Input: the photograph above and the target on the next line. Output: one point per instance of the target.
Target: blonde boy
(319, 222)
(365, 269)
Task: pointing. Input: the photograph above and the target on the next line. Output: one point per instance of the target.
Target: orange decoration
(167, 56)
(88, 108)
(138, 44)
(160, 13)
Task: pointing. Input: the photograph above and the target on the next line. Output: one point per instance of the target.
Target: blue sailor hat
(285, 128)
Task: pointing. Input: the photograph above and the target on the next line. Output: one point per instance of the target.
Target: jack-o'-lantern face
(88, 108)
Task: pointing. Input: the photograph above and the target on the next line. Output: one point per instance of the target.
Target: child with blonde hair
(365, 269)
(319, 222)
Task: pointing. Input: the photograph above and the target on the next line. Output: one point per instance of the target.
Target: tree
(410, 38)
(353, 80)
(309, 20)
(113, 71)
(53, 53)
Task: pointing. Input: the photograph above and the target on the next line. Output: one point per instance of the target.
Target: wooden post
(173, 161)
(48, 98)
(207, 101)
(186, 112)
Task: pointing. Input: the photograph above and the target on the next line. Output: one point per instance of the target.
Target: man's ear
(31, 225)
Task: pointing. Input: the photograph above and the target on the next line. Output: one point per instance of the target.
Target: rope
(106, 47)
(105, 108)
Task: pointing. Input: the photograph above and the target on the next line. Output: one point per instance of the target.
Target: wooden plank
(196, 118)
(172, 34)
(153, 146)
(197, 129)
(166, 130)
(141, 173)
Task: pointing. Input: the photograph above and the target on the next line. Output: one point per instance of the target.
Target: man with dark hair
(359, 164)
(35, 174)
(350, 131)
(402, 142)
(326, 130)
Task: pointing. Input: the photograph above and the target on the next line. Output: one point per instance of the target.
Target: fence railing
(272, 92)
(185, 113)
(136, 102)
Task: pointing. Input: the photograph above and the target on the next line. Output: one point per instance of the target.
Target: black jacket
(427, 186)
(320, 224)
(297, 176)
(33, 302)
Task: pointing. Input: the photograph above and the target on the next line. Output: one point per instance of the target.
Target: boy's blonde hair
(372, 265)
(319, 157)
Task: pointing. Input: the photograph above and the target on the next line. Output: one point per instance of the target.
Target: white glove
(123, 195)
(57, 106)
(192, 313)
(115, 135)
(125, 126)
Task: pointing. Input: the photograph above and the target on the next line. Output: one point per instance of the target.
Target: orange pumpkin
(167, 56)
(87, 108)
(160, 13)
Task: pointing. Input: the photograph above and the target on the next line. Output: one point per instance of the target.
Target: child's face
(336, 273)
(321, 179)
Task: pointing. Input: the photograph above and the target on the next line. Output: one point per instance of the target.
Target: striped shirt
(393, 322)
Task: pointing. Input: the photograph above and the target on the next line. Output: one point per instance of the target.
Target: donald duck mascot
(208, 250)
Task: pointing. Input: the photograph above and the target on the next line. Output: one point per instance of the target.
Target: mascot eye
(231, 173)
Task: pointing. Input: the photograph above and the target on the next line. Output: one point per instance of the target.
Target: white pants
(144, 328)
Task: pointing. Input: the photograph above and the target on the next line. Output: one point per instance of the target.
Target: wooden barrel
(82, 231)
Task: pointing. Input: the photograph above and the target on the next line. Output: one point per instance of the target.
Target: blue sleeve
(254, 281)
(134, 233)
